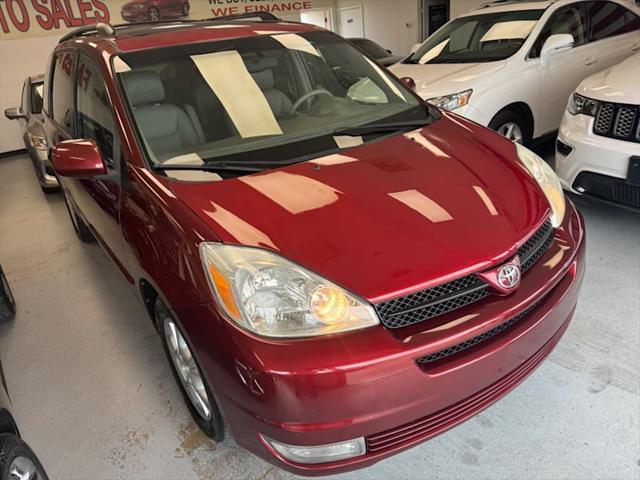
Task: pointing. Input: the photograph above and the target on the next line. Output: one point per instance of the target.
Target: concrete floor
(94, 396)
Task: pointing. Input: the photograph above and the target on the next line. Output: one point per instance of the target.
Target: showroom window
(94, 117)
(61, 89)
(607, 20)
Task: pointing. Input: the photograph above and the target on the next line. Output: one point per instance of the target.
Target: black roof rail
(263, 16)
(494, 3)
(107, 30)
(101, 29)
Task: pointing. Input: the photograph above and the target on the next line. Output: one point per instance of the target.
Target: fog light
(563, 149)
(319, 453)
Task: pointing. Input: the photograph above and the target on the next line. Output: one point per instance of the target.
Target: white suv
(512, 65)
(598, 147)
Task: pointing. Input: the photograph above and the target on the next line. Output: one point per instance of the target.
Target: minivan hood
(389, 217)
(438, 79)
(617, 84)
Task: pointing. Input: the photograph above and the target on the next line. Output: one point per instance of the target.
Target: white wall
(392, 24)
(18, 60)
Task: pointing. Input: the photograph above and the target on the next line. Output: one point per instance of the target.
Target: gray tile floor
(93, 393)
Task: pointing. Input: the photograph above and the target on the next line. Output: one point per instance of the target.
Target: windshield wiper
(381, 128)
(212, 167)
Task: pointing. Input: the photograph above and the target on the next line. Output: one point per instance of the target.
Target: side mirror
(560, 42)
(409, 82)
(15, 113)
(77, 158)
(415, 48)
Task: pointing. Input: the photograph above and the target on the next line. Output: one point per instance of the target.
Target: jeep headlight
(582, 105)
(273, 297)
(548, 181)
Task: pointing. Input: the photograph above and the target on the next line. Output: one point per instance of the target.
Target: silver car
(29, 114)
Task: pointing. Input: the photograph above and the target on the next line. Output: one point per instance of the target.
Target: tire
(154, 14)
(15, 455)
(82, 230)
(49, 190)
(7, 302)
(508, 118)
(212, 425)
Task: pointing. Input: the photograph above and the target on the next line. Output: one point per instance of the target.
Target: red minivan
(336, 268)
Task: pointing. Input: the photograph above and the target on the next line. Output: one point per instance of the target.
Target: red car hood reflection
(386, 218)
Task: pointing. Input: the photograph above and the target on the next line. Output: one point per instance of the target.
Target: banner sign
(24, 18)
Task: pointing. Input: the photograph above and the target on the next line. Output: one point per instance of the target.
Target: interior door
(98, 198)
(565, 70)
(350, 22)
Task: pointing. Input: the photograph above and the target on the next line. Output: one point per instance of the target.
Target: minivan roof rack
(101, 29)
(494, 3)
(262, 16)
(107, 30)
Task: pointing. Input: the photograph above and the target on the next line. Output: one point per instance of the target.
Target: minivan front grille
(447, 297)
(433, 357)
(618, 121)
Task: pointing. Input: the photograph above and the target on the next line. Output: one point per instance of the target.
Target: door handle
(636, 47)
(590, 61)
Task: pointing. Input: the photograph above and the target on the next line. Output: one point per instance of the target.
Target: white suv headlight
(548, 181)
(453, 101)
(273, 297)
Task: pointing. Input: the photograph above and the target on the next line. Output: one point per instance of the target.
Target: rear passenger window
(607, 20)
(94, 117)
(632, 20)
(571, 19)
(61, 89)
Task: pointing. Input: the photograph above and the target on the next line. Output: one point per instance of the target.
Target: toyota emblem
(509, 276)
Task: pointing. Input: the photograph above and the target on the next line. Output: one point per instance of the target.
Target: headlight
(273, 297)
(451, 102)
(37, 141)
(579, 104)
(548, 180)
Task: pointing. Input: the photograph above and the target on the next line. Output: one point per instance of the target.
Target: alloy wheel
(187, 369)
(22, 468)
(512, 131)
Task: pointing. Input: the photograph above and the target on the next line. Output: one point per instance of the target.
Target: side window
(632, 20)
(93, 110)
(37, 90)
(607, 20)
(569, 19)
(61, 89)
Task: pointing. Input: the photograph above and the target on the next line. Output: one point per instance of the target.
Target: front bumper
(42, 166)
(590, 152)
(368, 383)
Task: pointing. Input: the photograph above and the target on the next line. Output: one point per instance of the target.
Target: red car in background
(154, 10)
(336, 268)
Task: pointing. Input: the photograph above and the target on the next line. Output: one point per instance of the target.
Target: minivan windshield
(271, 97)
(478, 38)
